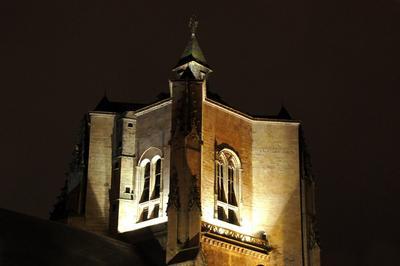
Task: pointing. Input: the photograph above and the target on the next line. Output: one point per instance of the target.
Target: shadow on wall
(285, 237)
(97, 209)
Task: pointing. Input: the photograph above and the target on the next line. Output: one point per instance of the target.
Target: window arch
(227, 186)
(157, 179)
(146, 183)
(149, 186)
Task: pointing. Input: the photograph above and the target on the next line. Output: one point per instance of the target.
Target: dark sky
(334, 64)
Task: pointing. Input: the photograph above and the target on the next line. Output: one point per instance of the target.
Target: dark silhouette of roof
(185, 255)
(26, 240)
(105, 105)
(145, 242)
(108, 106)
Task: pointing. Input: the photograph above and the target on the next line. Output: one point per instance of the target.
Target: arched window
(220, 182)
(149, 185)
(146, 183)
(227, 186)
(157, 180)
(231, 186)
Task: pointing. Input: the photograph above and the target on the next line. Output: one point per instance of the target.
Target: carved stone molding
(232, 247)
(233, 240)
(173, 200)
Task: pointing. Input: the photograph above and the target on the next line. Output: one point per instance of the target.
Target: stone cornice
(205, 239)
(244, 244)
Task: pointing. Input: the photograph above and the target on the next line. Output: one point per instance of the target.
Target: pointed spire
(193, 51)
(193, 57)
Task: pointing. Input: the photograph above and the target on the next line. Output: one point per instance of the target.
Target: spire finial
(193, 23)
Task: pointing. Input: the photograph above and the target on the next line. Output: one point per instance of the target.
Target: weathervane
(193, 23)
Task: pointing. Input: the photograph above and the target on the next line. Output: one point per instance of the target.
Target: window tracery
(227, 186)
(149, 185)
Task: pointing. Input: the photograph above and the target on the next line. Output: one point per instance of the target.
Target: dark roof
(282, 115)
(185, 255)
(106, 105)
(26, 240)
(216, 97)
(145, 242)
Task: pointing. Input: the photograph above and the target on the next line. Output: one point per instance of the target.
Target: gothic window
(157, 181)
(231, 186)
(146, 183)
(227, 186)
(220, 182)
(149, 185)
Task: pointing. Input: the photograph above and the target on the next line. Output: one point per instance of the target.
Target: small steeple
(192, 57)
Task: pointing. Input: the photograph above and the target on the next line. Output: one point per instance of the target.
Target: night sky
(334, 65)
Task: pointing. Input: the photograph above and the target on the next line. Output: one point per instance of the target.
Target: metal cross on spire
(193, 23)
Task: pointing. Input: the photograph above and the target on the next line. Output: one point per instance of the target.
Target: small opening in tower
(130, 125)
(127, 190)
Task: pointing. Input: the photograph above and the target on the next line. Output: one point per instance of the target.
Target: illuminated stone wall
(99, 172)
(224, 255)
(221, 127)
(270, 203)
(276, 189)
(152, 130)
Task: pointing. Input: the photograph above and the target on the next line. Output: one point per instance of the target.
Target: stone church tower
(191, 181)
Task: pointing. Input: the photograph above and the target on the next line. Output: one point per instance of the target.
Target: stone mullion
(160, 208)
(238, 190)
(152, 180)
(139, 189)
(216, 180)
(226, 186)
